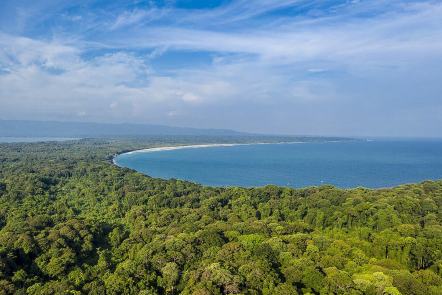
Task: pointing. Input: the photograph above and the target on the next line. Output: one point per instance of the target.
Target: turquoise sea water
(33, 139)
(371, 164)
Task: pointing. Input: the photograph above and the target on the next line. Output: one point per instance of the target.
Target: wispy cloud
(317, 70)
(137, 17)
(277, 64)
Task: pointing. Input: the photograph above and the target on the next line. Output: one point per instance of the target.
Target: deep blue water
(371, 164)
(33, 139)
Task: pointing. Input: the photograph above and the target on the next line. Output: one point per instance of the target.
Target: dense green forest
(73, 223)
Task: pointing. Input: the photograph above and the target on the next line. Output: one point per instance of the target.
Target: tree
(170, 275)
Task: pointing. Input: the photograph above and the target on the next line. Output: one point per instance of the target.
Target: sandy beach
(168, 148)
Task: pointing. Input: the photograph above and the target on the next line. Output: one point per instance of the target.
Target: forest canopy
(72, 222)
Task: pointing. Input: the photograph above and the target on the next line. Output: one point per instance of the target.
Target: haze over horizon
(367, 68)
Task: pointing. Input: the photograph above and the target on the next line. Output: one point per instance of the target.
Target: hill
(25, 128)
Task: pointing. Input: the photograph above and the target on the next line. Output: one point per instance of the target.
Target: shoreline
(170, 148)
(166, 148)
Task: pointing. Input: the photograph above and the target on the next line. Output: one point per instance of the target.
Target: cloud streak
(292, 66)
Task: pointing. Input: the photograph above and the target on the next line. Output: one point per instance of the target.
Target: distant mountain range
(19, 128)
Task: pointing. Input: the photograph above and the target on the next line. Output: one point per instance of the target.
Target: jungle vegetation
(71, 222)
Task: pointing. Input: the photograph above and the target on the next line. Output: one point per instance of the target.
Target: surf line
(169, 148)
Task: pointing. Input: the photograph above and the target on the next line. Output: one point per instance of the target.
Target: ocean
(372, 164)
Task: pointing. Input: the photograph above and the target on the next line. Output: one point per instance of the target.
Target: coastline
(169, 148)
(371, 186)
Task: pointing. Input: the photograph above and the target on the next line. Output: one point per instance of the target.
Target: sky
(316, 67)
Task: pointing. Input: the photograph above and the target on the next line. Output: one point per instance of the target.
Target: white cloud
(190, 97)
(27, 52)
(172, 113)
(157, 52)
(389, 38)
(136, 17)
(114, 70)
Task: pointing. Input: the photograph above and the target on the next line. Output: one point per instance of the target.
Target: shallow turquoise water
(372, 164)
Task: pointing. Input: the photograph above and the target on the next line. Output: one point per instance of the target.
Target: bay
(372, 164)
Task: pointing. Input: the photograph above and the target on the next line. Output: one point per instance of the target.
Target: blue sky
(361, 67)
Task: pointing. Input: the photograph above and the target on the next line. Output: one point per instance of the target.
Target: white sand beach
(167, 148)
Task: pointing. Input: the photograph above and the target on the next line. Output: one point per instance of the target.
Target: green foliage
(71, 222)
